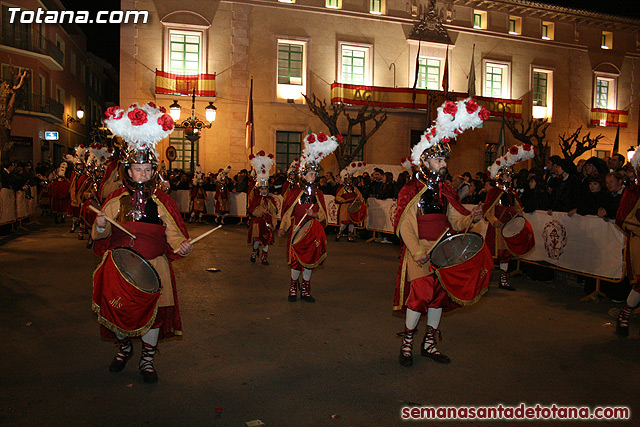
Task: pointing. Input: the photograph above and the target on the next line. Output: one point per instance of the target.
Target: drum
(126, 290)
(463, 264)
(357, 211)
(309, 244)
(518, 235)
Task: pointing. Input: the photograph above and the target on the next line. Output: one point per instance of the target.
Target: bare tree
(8, 95)
(573, 142)
(345, 152)
(534, 133)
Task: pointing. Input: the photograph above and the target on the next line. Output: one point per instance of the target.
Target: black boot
(305, 290)
(406, 357)
(622, 325)
(254, 255)
(265, 255)
(149, 374)
(504, 281)
(124, 354)
(293, 291)
(429, 349)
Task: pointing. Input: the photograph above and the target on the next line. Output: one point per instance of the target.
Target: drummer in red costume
(501, 205)
(292, 178)
(347, 197)
(628, 218)
(78, 184)
(305, 212)
(427, 206)
(153, 217)
(262, 208)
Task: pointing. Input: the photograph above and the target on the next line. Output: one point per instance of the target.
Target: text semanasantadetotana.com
(521, 412)
(41, 16)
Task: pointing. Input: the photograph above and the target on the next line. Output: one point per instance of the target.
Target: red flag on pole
(250, 131)
(445, 74)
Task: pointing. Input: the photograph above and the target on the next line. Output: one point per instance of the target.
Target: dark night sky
(103, 40)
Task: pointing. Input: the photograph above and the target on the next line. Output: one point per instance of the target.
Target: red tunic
(493, 237)
(306, 255)
(263, 211)
(59, 191)
(150, 242)
(424, 292)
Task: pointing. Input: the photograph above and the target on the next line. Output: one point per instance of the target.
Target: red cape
(627, 203)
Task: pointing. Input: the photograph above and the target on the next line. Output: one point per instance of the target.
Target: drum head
(513, 227)
(456, 249)
(136, 269)
(355, 206)
(301, 232)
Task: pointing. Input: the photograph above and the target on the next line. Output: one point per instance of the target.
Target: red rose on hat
(261, 153)
(484, 114)
(472, 106)
(445, 139)
(114, 113)
(339, 138)
(498, 162)
(359, 164)
(322, 137)
(311, 138)
(163, 110)
(526, 147)
(152, 105)
(251, 156)
(164, 120)
(138, 117)
(513, 150)
(450, 107)
(270, 156)
(353, 164)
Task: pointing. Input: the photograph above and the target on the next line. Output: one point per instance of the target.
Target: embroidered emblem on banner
(555, 239)
(115, 303)
(332, 207)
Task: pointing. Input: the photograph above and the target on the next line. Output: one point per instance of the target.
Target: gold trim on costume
(406, 208)
(168, 215)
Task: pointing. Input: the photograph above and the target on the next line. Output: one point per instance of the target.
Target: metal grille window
(494, 81)
(355, 140)
(602, 93)
(540, 89)
(287, 148)
(184, 53)
(290, 63)
(183, 147)
(376, 6)
(428, 73)
(353, 65)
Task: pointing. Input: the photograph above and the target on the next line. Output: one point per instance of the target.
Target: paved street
(248, 354)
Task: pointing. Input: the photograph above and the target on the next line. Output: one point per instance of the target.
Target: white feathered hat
(352, 169)
(516, 154)
(141, 126)
(293, 167)
(635, 160)
(317, 147)
(405, 162)
(223, 174)
(453, 119)
(262, 164)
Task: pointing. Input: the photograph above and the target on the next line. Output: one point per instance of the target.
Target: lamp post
(193, 125)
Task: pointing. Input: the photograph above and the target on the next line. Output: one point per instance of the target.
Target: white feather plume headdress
(141, 126)
(405, 162)
(635, 160)
(352, 169)
(516, 154)
(293, 167)
(80, 156)
(262, 164)
(223, 174)
(317, 147)
(453, 119)
(99, 154)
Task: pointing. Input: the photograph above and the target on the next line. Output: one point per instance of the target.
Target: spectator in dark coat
(387, 190)
(535, 196)
(591, 202)
(565, 196)
(613, 195)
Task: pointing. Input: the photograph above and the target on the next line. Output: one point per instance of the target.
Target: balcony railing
(40, 104)
(32, 43)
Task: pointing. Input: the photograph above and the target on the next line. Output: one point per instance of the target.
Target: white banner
(21, 205)
(585, 244)
(380, 214)
(7, 206)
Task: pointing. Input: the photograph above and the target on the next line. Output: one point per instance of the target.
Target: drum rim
(458, 234)
(514, 218)
(145, 261)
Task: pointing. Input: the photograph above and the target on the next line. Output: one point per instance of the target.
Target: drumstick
(469, 226)
(293, 233)
(115, 224)
(202, 236)
(446, 230)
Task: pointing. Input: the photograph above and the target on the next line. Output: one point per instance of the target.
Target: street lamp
(630, 152)
(79, 115)
(192, 125)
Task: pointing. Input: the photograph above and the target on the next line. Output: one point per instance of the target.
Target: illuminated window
(355, 64)
(497, 79)
(607, 40)
(548, 30)
(375, 7)
(480, 19)
(185, 52)
(291, 78)
(605, 93)
(515, 25)
(333, 4)
(542, 88)
(183, 147)
(428, 73)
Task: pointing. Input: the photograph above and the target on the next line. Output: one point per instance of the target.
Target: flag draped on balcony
(181, 84)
